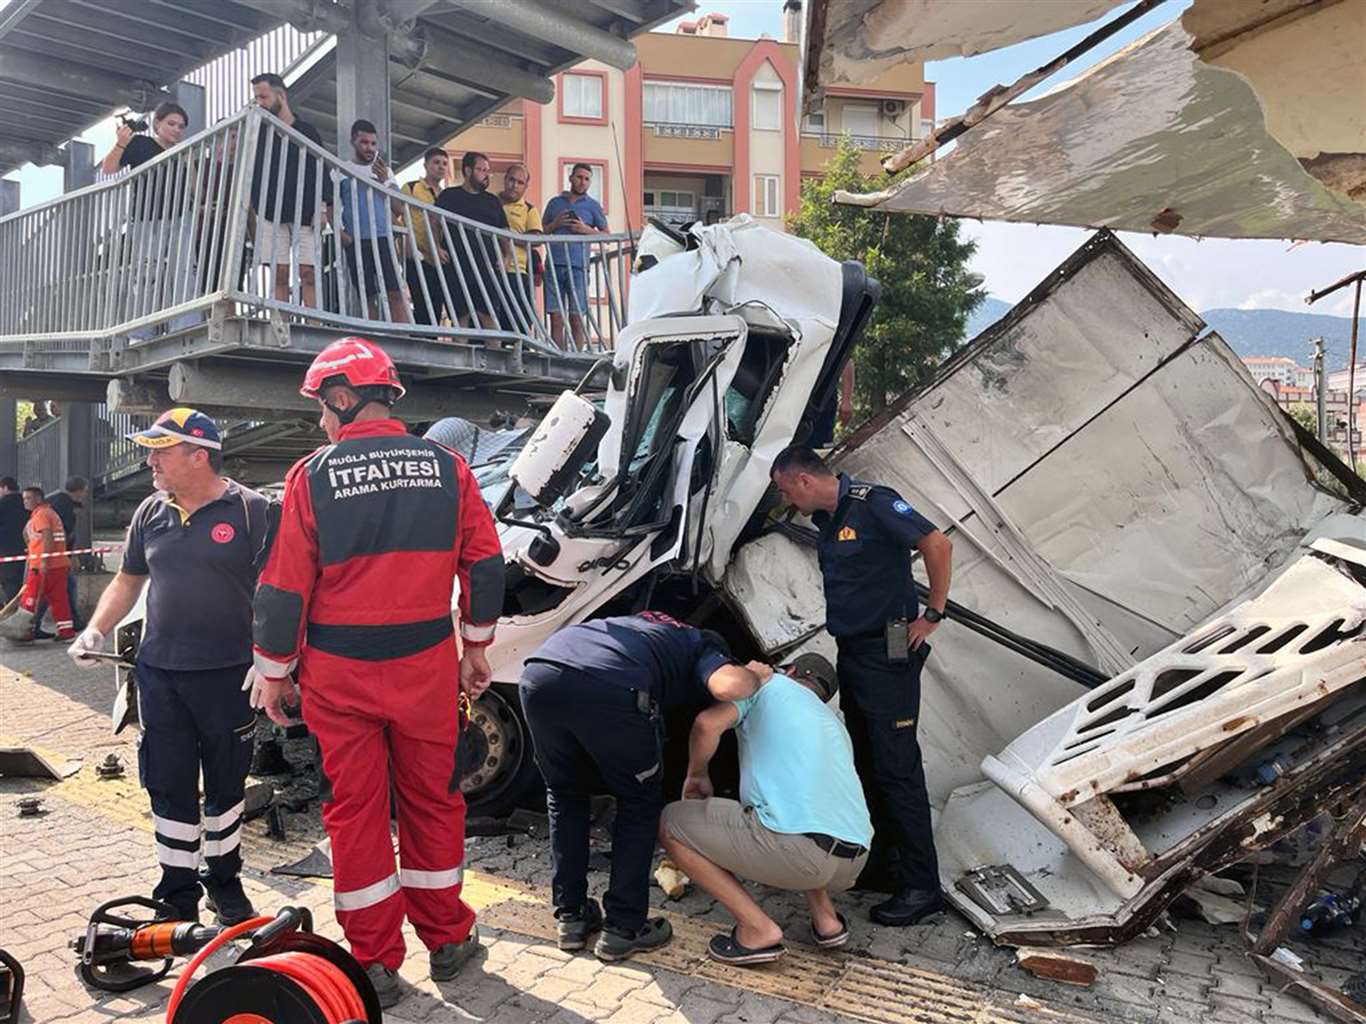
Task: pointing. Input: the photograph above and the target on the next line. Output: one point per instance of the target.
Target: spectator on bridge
(284, 230)
(365, 224)
(523, 217)
(427, 257)
(65, 503)
(13, 516)
(572, 212)
(161, 238)
(476, 252)
(42, 416)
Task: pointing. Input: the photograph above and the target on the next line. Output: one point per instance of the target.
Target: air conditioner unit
(893, 108)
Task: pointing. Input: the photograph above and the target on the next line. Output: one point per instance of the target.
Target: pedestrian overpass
(126, 295)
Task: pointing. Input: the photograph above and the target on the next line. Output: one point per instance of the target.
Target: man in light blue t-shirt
(801, 822)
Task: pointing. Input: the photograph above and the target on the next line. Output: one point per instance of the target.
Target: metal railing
(112, 454)
(40, 457)
(253, 214)
(227, 79)
(878, 143)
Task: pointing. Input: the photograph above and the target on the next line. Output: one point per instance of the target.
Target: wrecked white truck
(1156, 661)
(1156, 651)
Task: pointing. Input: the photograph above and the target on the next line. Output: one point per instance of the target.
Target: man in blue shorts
(574, 212)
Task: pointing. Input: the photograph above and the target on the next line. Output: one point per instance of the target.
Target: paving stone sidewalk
(94, 843)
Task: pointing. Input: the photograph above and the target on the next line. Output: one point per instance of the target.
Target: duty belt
(837, 847)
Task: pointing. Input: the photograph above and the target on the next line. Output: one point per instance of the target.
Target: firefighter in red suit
(376, 529)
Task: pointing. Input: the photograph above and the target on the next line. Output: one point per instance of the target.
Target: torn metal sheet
(854, 41)
(1132, 144)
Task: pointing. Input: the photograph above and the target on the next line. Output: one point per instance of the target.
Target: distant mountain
(991, 310)
(1250, 332)
(1279, 332)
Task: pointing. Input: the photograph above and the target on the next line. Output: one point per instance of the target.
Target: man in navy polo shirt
(593, 696)
(199, 542)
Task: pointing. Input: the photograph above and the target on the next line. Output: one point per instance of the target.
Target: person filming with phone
(868, 534)
(572, 212)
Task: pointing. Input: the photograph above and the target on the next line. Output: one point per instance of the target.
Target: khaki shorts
(733, 837)
(274, 242)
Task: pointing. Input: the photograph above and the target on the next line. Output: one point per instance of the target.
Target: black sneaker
(907, 907)
(229, 904)
(386, 986)
(616, 945)
(447, 960)
(181, 910)
(574, 926)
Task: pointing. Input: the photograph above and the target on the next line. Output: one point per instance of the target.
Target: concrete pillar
(362, 85)
(194, 99)
(78, 459)
(78, 169)
(9, 197)
(9, 437)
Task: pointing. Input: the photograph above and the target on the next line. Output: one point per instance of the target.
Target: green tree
(921, 263)
(1306, 416)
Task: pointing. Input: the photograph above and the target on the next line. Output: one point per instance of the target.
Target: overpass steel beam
(556, 25)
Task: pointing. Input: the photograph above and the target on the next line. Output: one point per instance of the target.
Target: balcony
(688, 144)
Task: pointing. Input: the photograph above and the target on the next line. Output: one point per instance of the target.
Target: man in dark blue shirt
(867, 536)
(199, 541)
(593, 695)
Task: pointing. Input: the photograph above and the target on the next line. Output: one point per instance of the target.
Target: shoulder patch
(901, 508)
(860, 491)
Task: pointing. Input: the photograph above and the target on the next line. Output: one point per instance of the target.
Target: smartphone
(571, 215)
(898, 640)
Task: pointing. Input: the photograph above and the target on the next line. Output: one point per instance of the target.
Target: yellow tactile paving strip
(864, 988)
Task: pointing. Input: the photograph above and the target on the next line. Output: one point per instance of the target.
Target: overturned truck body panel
(1117, 488)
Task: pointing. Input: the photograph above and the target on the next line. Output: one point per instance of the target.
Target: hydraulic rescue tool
(286, 974)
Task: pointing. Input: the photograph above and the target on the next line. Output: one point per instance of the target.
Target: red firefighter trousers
(51, 588)
(383, 722)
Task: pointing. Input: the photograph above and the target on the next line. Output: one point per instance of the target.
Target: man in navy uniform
(593, 695)
(868, 534)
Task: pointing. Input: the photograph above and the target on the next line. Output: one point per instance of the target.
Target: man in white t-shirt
(801, 822)
(366, 236)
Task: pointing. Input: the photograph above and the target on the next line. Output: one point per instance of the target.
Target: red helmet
(359, 361)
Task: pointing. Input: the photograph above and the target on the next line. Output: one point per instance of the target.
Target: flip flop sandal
(832, 941)
(726, 949)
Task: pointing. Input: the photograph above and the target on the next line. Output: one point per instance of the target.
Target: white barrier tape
(56, 554)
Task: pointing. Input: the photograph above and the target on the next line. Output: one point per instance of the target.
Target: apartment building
(704, 125)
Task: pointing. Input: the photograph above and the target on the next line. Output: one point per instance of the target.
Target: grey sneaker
(448, 959)
(385, 984)
(574, 926)
(614, 945)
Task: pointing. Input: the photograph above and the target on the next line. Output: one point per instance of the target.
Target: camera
(138, 124)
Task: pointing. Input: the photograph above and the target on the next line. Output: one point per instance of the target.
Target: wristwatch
(932, 614)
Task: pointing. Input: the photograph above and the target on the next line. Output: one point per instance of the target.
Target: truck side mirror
(564, 442)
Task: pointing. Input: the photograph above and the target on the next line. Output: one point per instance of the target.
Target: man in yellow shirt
(524, 269)
(427, 257)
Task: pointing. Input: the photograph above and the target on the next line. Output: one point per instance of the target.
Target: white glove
(256, 682)
(91, 640)
(262, 697)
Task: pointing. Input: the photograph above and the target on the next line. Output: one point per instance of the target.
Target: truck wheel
(497, 771)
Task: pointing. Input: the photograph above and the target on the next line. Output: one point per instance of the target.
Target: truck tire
(497, 771)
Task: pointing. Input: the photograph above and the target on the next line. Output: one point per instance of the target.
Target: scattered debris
(1290, 959)
(1057, 965)
(1025, 1002)
(317, 864)
(529, 823)
(110, 768)
(258, 800)
(671, 880)
(26, 763)
(275, 822)
(494, 827)
(1212, 902)
(1354, 988)
(30, 806)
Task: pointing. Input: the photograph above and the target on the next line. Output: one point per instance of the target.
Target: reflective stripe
(177, 858)
(359, 899)
(477, 634)
(414, 879)
(181, 830)
(218, 847)
(218, 822)
(268, 666)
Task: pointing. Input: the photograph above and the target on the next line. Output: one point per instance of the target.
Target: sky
(1013, 258)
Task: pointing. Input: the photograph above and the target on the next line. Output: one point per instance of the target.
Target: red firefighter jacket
(373, 532)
